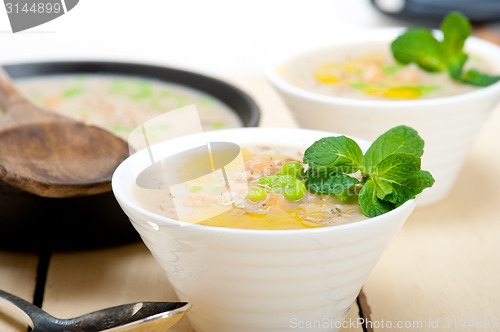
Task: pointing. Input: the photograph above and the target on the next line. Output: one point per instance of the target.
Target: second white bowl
(448, 125)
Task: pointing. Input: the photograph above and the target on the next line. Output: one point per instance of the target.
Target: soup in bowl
(242, 277)
(322, 83)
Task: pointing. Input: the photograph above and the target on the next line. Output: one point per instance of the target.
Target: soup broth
(274, 212)
(371, 72)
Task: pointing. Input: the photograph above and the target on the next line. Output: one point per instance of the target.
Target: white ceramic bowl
(448, 125)
(258, 280)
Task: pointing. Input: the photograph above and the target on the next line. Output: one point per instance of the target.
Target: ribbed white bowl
(255, 280)
(448, 125)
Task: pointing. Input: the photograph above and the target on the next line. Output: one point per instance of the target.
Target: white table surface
(215, 37)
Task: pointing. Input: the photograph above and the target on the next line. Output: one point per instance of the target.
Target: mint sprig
(341, 152)
(419, 46)
(328, 183)
(390, 170)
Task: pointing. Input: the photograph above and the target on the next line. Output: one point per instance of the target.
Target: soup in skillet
(120, 103)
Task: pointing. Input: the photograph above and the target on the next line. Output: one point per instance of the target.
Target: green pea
(218, 124)
(195, 189)
(267, 181)
(256, 194)
(292, 168)
(295, 191)
(72, 92)
(284, 180)
(120, 129)
(142, 90)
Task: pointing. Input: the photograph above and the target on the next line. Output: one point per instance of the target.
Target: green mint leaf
(420, 181)
(331, 152)
(324, 184)
(456, 29)
(400, 139)
(390, 169)
(477, 78)
(321, 172)
(369, 203)
(397, 167)
(412, 186)
(418, 45)
(384, 190)
(455, 65)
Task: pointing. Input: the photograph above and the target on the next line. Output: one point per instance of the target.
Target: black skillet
(29, 222)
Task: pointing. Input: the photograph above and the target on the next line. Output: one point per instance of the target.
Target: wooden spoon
(50, 155)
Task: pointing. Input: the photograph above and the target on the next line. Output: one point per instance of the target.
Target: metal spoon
(140, 316)
(51, 155)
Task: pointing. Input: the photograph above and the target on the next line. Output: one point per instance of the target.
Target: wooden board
(442, 270)
(17, 276)
(80, 282)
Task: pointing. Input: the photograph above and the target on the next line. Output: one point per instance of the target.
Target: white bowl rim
(161, 220)
(387, 34)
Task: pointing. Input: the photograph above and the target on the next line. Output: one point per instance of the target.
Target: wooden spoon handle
(18, 109)
(9, 95)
